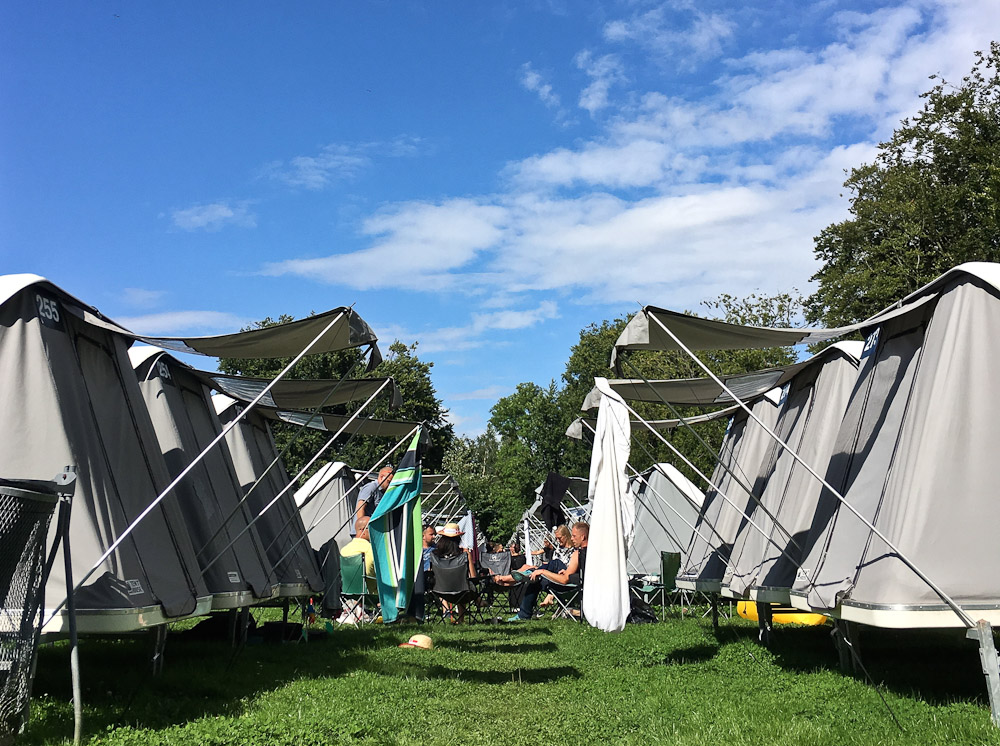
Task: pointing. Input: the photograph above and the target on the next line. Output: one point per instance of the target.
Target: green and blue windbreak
(395, 532)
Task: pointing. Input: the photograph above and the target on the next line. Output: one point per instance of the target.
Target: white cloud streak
(533, 81)
(177, 323)
(337, 162)
(214, 216)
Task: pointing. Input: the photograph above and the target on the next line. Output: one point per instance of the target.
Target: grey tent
(813, 403)
(280, 526)
(327, 502)
(915, 455)
(666, 510)
(210, 496)
(69, 397)
(743, 449)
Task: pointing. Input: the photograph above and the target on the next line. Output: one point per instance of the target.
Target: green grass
(534, 683)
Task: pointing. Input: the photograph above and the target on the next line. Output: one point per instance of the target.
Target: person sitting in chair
(448, 545)
(558, 562)
(572, 574)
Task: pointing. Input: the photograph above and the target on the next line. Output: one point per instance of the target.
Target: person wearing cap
(370, 495)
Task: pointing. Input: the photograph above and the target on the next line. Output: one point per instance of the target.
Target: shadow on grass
(200, 678)
(479, 646)
(690, 655)
(543, 675)
(935, 666)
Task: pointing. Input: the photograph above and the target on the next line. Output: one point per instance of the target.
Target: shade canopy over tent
(184, 418)
(736, 477)
(763, 565)
(915, 455)
(333, 423)
(666, 510)
(580, 425)
(70, 398)
(264, 481)
(337, 329)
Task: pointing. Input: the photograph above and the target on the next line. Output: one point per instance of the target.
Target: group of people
(552, 566)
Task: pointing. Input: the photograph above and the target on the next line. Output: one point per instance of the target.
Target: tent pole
(759, 503)
(959, 611)
(334, 507)
(197, 459)
(711, 484)
(291, 482)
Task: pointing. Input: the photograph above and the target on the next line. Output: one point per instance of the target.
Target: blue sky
(483, 178)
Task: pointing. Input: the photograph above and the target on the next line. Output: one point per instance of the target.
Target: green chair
(354, 586)
(670, 565)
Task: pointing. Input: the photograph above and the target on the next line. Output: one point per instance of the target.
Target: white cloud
(214, 216)
(177, 323)
(472, 335)
(674, 30)
(142, 298)
(417, 246)
(490, 392)
(337, 162)
(603, 72)
(533, 81)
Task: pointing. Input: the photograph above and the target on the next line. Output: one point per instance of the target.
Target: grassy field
(539, 683)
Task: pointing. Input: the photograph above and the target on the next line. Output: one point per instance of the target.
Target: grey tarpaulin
(813, 406)
(69, 397)
(180, 406)
(659, 528)
(330, 490)
(916, 455)
(280, 527)
(743, 449)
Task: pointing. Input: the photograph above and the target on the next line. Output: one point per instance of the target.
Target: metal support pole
(983, 631)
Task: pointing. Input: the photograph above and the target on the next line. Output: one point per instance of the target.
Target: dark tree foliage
(420, 403)
(929, 201)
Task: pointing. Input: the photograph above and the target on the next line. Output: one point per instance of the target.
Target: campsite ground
(534, 683)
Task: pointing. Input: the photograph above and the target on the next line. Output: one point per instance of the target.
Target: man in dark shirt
(572, 574)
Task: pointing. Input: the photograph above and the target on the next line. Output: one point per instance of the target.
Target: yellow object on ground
(781, 614)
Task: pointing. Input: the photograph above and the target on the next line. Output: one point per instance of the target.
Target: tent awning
(576, 427)
(705, 391)
(281, 340)
(287, 393)
(328, 422)
(644, 333)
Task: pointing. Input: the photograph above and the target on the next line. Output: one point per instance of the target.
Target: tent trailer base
(118, 621)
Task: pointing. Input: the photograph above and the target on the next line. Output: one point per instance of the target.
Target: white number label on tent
(163, 371)
(134, 587)
(48, 311)
(871, 344)
(234, 577)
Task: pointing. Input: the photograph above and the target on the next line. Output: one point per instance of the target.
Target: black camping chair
(453, 586)
(496, 598)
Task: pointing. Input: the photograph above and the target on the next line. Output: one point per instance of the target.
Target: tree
(420, 403)
(929, 201)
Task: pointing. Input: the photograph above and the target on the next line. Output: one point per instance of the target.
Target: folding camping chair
(568, 599)
(355, 594)
(499, 596)
(670, 565)
(453, 586)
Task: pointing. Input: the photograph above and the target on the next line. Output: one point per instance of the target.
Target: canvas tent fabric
(606, 603)
(396, 529)
(70, 398)
(327, 502)
(813, 404)
(743, 449)
(666, 508)
(185, 422)
(915, 455)
(333, 423)
(279, 527)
